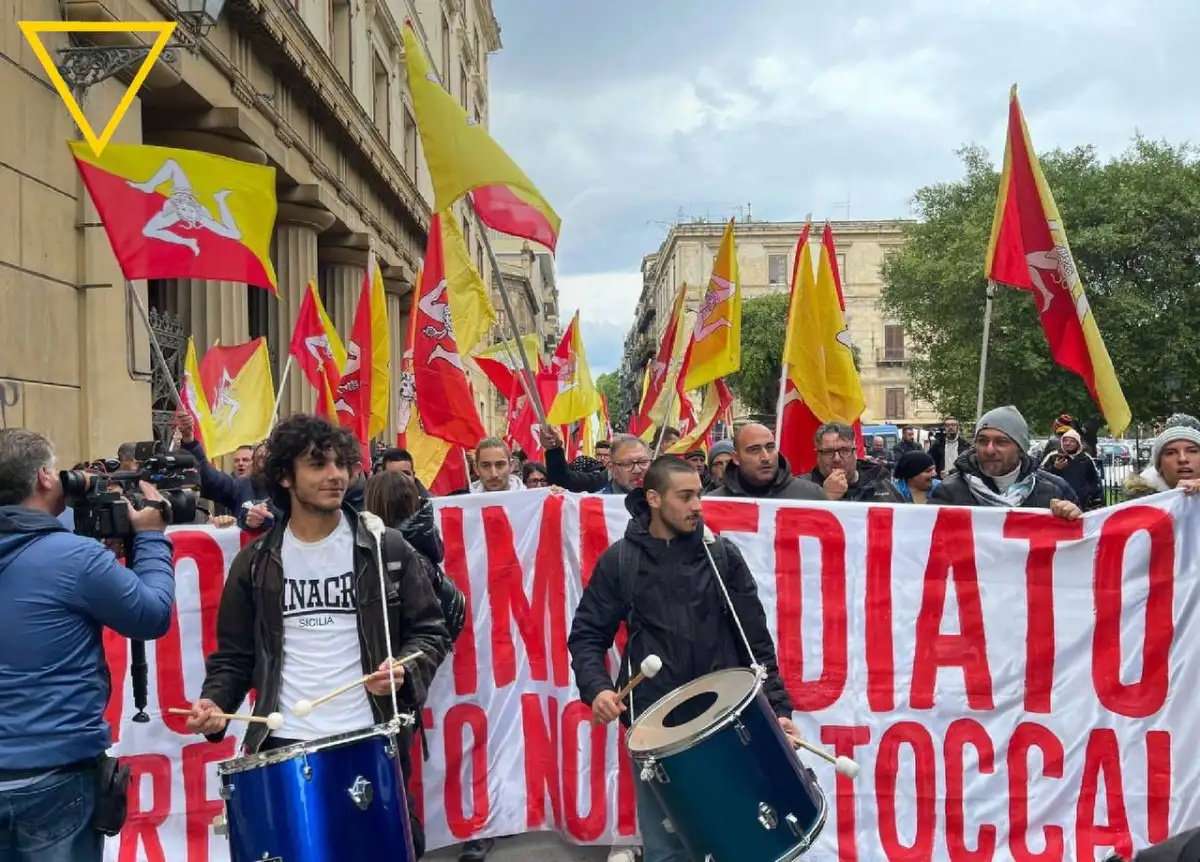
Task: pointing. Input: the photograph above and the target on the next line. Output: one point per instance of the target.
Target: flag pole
(498, 277)
(783, 379)
(155, 349)
(512, 361)
(983, 353)
(283, 379)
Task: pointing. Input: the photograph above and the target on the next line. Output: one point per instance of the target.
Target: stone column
(295, 258)
(214, 310)
(342, 272)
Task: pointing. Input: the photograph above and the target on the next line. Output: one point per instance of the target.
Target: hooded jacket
(421, 531)
(57, 592)
(678, 614)
(873, 484)
(784, 486)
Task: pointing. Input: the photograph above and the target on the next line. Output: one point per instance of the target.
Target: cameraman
(57, 591)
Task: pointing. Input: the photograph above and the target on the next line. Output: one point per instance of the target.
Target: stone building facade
(315, 88)
(766, 252)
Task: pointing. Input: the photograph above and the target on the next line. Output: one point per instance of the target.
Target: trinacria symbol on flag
(227, 406)
(713, 299)
(182, 207)
(433, 306)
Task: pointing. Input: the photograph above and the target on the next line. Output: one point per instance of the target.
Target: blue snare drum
(732, 786)
(337, 799)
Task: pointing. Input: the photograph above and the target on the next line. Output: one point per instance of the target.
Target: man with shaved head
(759, 471)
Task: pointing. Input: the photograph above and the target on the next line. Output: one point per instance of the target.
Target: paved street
(544, 847)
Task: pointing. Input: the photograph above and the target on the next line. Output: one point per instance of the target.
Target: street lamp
(1172, 382)
(84, 66)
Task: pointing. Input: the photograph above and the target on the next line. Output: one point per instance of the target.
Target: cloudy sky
(629, 114)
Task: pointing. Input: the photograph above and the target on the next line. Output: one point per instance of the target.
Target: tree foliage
(609, 385)
(1134, 228)
(756, 384)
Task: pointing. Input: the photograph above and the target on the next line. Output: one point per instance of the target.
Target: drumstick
(304, 707)
(651, 665)
(273, 721)
(844, 765)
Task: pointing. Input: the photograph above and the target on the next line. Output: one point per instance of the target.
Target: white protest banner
(1014, 686)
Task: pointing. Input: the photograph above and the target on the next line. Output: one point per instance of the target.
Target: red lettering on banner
(844, 740)
(881, 657)
(466, 659)
(626, 790)
(729, 516)
(203, 549)
(116, 656)
(1158, 785)
(591, 826)
(594, 541)
(952, 549)
(1103, 757)
(1044, 533)
(201, 808)
(457, 717)
(791, 525)
(1146, 696)
(1029, 735)
(510, 604)
(924, 797)
(960, 734)
(141, 827)
(540, 730)
(416, 757)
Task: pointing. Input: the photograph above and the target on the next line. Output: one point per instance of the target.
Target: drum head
(692, 710)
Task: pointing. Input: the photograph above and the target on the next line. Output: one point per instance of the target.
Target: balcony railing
(890, 356)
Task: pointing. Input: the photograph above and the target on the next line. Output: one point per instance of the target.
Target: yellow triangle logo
(33, 31)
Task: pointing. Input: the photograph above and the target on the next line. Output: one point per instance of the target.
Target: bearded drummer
(673, 609)
(300, 612)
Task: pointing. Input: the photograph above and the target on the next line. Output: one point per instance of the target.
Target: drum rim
(300, 749)
(699, 736)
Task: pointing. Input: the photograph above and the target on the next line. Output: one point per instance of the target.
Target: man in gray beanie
(1174, 460)
(999, 471)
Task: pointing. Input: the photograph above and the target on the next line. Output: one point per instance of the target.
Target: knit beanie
(1181, 426)
(721, 447)
(1009, 422)
(1074, 435)
(913, 464)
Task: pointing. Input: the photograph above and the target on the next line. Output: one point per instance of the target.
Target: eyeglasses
(640, 464)
(537, 482)
(847, 452)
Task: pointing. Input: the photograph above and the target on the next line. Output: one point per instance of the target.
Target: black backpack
(454, 603)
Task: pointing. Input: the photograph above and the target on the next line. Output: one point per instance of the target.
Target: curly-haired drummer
(659, 580)
(300, 613)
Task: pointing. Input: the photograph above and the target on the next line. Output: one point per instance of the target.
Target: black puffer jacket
(422, 533)
(679, 614)
(956, 491)
(784, 486)
(873, 484)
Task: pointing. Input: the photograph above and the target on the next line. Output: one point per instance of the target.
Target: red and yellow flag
(447, 408)
(1028, 250)
(240, 393)
(318, 351)
(575, 394)
(191, 393)
(362, 393)
(172, 213)
(658, 380)
(470, 304)
(440, 466)
(716, 348)
(463, 158)
(715, 399)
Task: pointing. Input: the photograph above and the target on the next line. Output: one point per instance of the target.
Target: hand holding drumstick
(608, 706)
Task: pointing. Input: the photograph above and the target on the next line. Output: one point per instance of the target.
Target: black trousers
(418, 830)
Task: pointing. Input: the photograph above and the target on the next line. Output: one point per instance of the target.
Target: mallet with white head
(274, 721)
(304, 707)
(842, 764)
(650, 667)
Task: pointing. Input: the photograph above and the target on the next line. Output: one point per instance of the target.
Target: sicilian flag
(318, 351)
(568, 391)
(464, 159)
(1028, 250)
(652, 409)
(715, 350)
(172, 213)
(362, 393)
(191, 394)
(240, 394)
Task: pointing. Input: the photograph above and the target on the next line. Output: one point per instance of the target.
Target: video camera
(98, 499)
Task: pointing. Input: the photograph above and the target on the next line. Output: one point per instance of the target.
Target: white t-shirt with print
(321, 650)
